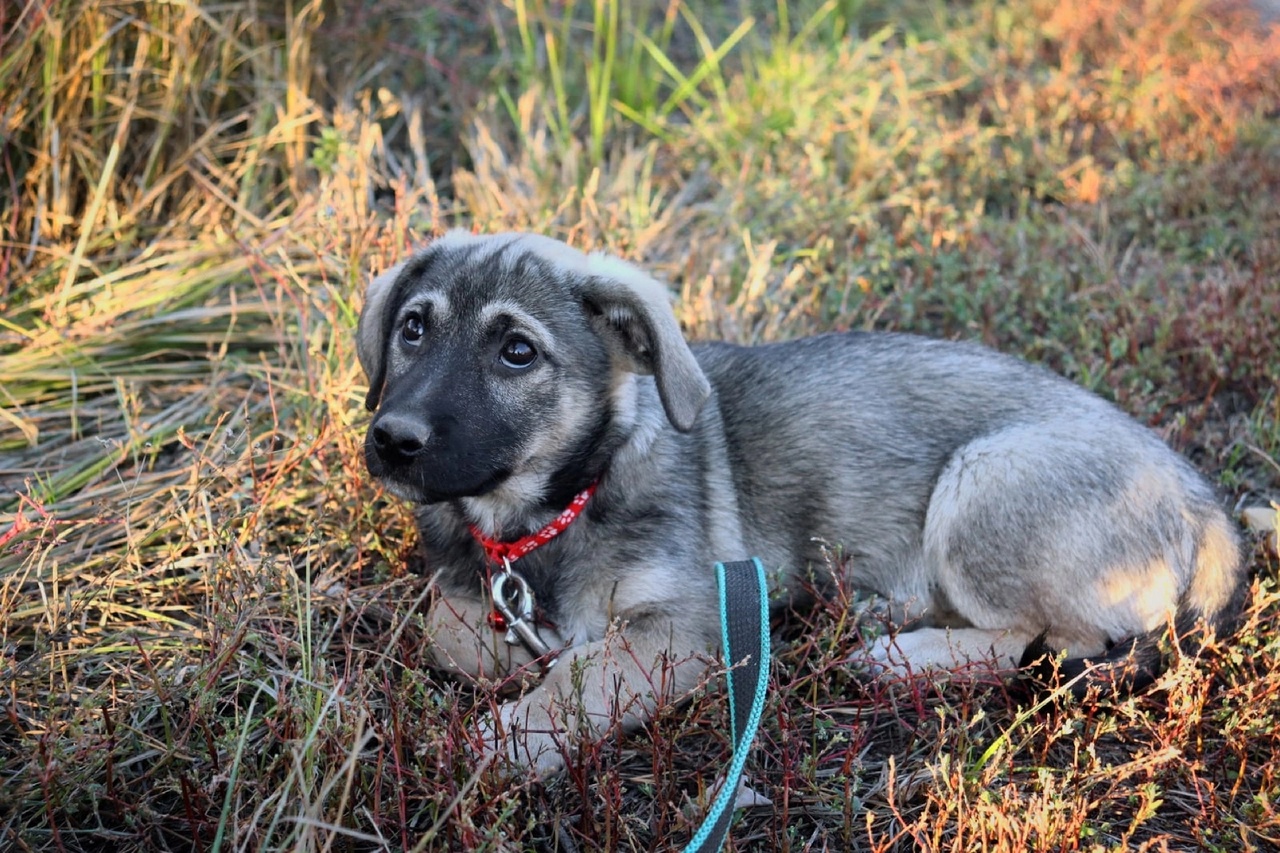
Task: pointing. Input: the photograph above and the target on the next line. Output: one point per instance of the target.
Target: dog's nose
(400, 436)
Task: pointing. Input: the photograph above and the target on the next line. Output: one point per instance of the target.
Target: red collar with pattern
(505, 553)
(509, 552)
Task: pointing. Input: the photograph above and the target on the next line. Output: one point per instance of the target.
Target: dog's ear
(371, 333)
(632, 313)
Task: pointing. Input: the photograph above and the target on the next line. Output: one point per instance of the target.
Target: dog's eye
(517, 353)
(413, 330)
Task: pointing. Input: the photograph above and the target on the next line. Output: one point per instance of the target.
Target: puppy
(528, 393)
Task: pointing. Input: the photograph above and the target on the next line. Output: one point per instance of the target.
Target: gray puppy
(990, 503)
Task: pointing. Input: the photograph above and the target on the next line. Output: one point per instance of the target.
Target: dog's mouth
(456, 490)
(417, 491)
(423, 483)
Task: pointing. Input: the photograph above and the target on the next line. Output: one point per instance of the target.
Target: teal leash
(744, 631)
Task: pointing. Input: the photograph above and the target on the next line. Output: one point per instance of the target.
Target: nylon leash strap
(744, 631)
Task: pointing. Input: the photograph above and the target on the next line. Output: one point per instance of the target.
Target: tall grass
(209, 616)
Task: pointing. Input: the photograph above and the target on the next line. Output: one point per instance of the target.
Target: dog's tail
(1210, 607)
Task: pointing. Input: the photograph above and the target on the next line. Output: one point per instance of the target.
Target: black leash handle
(744, 631)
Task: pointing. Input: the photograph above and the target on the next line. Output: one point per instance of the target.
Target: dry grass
(208, 613)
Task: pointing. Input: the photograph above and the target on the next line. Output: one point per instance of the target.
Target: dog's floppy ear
(371, 333)
(632, 313)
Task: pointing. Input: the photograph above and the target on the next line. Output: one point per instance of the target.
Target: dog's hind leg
(924, 649)
(1074, 531)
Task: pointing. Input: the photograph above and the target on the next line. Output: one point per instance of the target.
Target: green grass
(210, 635)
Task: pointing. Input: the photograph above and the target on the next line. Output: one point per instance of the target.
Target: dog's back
(971, 488)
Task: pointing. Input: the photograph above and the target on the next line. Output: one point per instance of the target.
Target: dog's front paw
(524, 738)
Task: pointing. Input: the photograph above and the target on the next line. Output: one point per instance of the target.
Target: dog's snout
(402, 437)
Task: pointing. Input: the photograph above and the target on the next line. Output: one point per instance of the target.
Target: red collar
(509, 552)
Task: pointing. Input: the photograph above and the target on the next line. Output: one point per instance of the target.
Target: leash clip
(518, 612)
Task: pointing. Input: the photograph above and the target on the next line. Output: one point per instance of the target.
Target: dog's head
(501, 363)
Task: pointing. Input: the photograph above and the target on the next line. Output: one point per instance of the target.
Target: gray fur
(988, 501)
